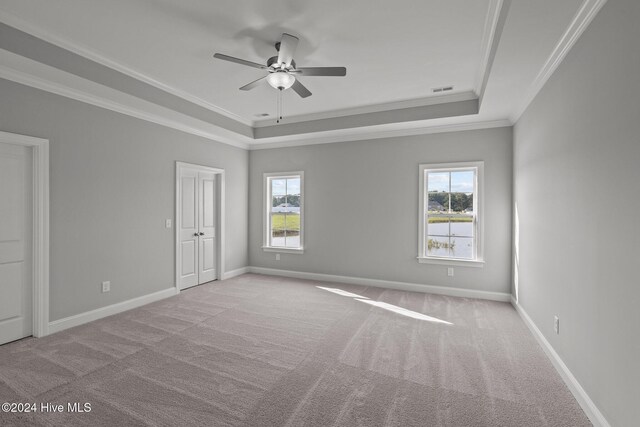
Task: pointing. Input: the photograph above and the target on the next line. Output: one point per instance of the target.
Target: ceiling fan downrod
(282, 71)
(279, 105)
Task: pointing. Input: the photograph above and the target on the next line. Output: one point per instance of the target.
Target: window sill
(299, 251)
(452, 262)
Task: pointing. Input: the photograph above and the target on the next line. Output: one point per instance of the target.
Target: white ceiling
(402, 49)
(532, 31)
(395, 52)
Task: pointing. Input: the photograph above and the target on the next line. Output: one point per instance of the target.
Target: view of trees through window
(450, 214)
(285, 212)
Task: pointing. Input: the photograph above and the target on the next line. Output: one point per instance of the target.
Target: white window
(450, 221)
(284, 214)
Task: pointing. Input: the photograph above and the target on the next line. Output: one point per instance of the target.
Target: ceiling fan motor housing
(282, 69)
(274, 60)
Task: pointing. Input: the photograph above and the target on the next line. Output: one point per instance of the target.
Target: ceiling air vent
(442, 89)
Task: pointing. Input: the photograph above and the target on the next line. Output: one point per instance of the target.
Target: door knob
(195, 234)
(202, 234)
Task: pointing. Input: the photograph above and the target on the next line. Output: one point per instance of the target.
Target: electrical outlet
(167, 223)
(277, 257)
(450, 271)
(106, 286)
(556, 324)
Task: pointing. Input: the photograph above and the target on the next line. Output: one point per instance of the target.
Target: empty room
(330, 213)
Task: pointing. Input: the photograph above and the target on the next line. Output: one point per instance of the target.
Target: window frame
(266, 211)
(478, 204)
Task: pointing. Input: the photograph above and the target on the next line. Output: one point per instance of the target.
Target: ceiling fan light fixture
(281, 80)
(282, 69)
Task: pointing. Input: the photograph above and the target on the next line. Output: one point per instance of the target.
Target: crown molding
(47, 36)
(490, 40)
(83, 90)
(373, 108)
(378, 132)
(36, 31)
(34, 74)
(40, 76)
(393, 118)
(127, 104)
(579, 24)
(496, 19)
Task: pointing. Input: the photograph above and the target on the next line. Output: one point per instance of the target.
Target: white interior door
(207, 229)
(197, 227)
(15, 242)
(188, 228)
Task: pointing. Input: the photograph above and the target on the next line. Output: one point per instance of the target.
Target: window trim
(478, 205)
(266, 225)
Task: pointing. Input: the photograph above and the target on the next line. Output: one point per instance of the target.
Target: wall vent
(442, 89)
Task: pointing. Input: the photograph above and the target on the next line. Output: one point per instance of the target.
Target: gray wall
(361, 207)
(577, 177)
(112, 187)
(31, 47)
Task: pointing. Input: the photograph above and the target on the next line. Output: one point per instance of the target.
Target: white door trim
(40, 246)
(220, 206)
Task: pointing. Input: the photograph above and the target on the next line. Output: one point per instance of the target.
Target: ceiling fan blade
(300, 89)
(253, 84)
(288, 46)
(239, 61)
(323, 71)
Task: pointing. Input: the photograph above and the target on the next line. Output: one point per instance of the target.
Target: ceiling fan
(282, 68)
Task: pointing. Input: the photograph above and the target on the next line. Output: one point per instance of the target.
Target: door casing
(220, 217)
(40, 227)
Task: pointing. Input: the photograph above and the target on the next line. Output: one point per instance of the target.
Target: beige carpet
(271, 351)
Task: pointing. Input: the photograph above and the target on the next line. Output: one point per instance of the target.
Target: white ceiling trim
(35, 31)
(378, 132)
(489, 33)
(580, 22)
(487, 45)
(491, 23)
(375, 108)
(34, 74)
(74, 87)
(40, 76)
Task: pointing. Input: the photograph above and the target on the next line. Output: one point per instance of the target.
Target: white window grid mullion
(475, 213)
(270, 210)
(449, 222)
(425, 209)
(473, 216)
(425, 236)
(269, 191)
(286, 200)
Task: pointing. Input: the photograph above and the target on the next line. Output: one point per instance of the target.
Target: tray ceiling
(395, 53)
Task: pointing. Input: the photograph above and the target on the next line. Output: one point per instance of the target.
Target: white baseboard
(403, 286)
(589, 408)
(233, 273)
(99, 313)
